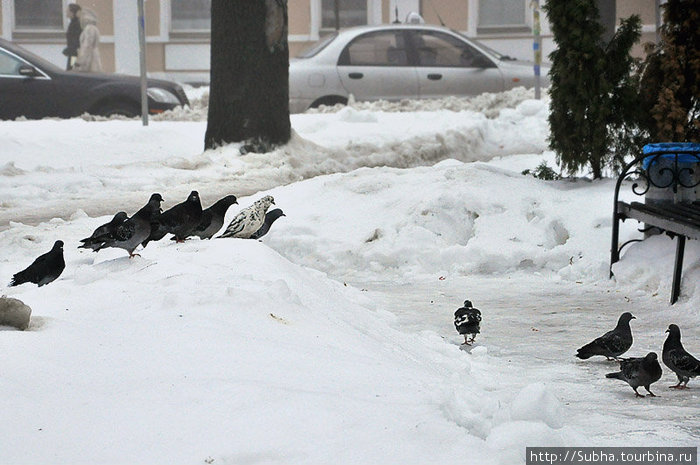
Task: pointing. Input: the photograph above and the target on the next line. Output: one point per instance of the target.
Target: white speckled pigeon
(45, 269)
(674, 356)
(249, 220)
(468, 322)
(642, 371)
(611, 344)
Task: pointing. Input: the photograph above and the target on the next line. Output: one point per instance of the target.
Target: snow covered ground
(330, 340)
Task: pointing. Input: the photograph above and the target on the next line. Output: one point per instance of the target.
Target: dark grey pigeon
(674, 356)
(611, 344)
(103, 233)
(133, 231)
(45, 269)
(468, 322)
(213, 217)
(642, 371)
(270, 217)
(181, 220)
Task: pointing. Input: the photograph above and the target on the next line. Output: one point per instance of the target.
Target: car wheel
(329, 101)
(127, 109)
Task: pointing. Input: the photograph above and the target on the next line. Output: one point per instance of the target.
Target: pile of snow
(490, 104)
(332, 339)
(225, 349)
(85, 161)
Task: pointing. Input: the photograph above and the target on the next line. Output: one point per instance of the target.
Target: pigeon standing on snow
(249, 220)
(103, 232)
(611, 344)
(674, 356)
(44, 269)
(130, 233)
(270, 217)
(467, 322)
(642, 371)
(181, 220)
(213, 217)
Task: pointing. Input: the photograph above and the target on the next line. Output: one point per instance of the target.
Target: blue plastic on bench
(665, 147)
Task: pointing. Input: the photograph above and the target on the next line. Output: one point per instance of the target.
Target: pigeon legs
(469, 340)
(650, 393)
(638, 394)
(681, 380)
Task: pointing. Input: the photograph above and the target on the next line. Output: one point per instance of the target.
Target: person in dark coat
(72, 35)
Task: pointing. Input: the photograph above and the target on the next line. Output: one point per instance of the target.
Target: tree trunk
(249, 84)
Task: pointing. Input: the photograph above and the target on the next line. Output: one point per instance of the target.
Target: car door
(447, 66)
(375, 66)
(24, 89)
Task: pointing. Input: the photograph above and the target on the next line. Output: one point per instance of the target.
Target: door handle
(434, 76)
(356, 75)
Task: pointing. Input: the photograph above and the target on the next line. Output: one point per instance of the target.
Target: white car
(400, 61)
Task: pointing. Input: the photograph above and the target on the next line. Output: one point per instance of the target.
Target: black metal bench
(676, 174)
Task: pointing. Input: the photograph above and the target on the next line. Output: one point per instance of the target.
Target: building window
(502, 16)
(45, 15)
(190, 15)
(350, 13)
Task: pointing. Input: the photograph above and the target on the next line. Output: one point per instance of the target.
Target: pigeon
(133, 231)
(213, 217)
(642, 371)
(181, 220)
(270, 217)
(45, 269)
(611, 344)
(103, 232)
(249, 220)
(674, 356)
(467, 320)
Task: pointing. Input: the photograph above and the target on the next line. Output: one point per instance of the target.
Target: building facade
(178, 36)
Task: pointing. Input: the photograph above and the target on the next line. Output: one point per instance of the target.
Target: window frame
(37, 30)
(185, 32)
(516, 28)
(344, 59)
(374, 15)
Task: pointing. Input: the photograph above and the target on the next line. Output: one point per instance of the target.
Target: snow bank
(224, 349)
(454, 217)
(87, 161)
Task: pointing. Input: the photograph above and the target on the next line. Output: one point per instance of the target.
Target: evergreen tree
(593, 93)
(670, 83)
(249, 85)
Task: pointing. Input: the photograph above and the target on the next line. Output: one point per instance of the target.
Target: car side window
(384, 48)
(9, 65)
(438, 49)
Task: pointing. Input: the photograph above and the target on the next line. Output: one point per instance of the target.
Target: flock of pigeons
(635, 371)
(150, 223)
(188, 219)
(643, 371)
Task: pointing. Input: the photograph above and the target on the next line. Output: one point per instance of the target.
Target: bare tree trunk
(249, 86)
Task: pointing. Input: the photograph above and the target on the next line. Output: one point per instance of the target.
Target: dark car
(32, 87)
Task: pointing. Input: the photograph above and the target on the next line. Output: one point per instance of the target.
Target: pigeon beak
(668, 331)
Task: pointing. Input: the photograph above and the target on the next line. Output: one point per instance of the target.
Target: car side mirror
(28, 71)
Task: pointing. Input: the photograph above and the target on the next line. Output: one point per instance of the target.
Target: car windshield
(36, 60)
(487, 49)
(318, 46)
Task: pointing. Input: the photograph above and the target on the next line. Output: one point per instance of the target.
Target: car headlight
(162, 96)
